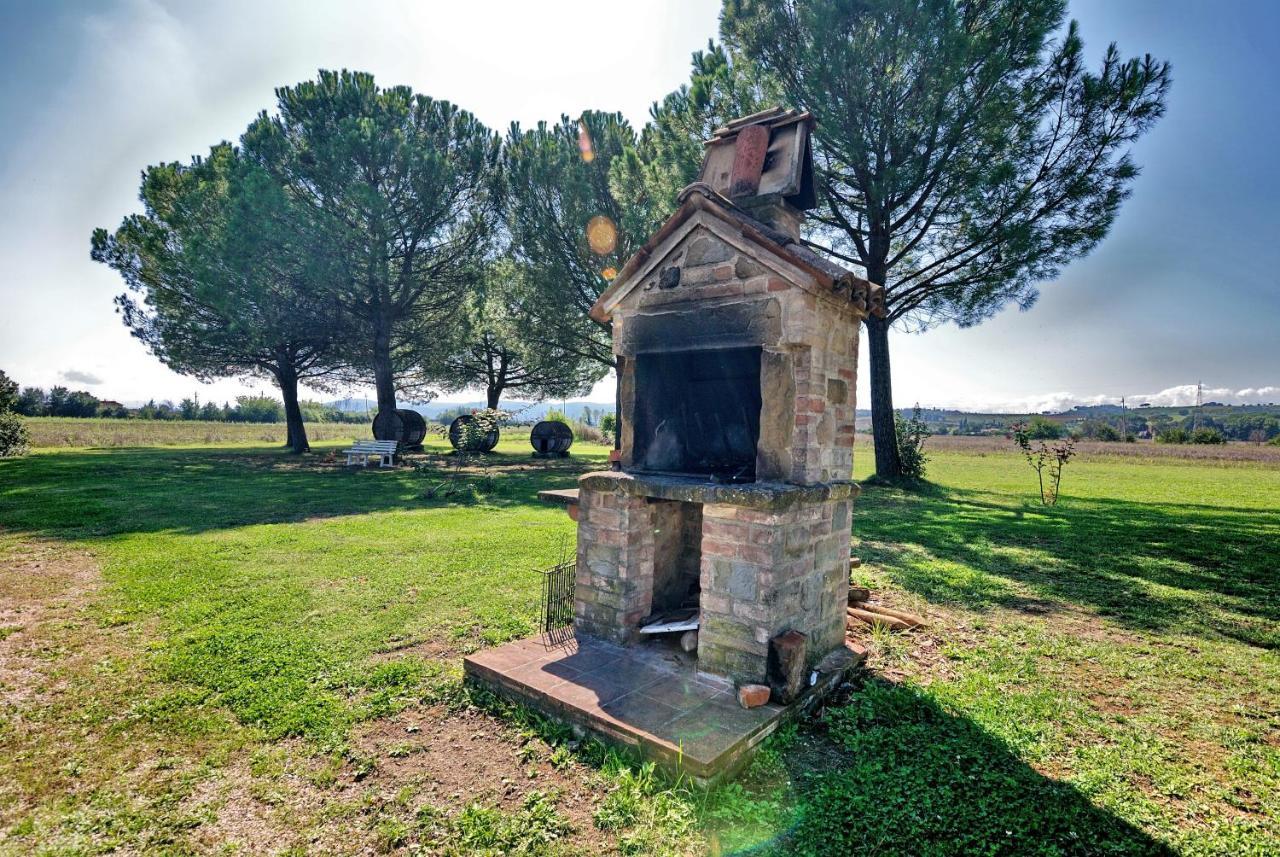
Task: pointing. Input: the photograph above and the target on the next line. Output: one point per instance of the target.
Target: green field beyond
(203, 646)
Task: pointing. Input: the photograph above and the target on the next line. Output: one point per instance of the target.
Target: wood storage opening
(551, 437)
(408, 428)
(473, 440)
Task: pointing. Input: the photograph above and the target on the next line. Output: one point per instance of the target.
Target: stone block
(742, 581)
(745, 269)
(837, 391)
(706, 249)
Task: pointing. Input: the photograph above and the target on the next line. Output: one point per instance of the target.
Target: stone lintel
(761, 496)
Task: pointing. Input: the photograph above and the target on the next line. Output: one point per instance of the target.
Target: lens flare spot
(609, 273)
(602, 235)
(584, 142)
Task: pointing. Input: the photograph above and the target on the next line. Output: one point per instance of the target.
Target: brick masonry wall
(826, 401)
(768, 572)
(810, 365)
(761, 573)
(614, 586)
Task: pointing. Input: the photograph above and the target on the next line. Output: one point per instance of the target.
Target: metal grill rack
(557, 603)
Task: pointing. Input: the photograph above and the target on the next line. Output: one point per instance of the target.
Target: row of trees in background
(962, 152)
(61, 402)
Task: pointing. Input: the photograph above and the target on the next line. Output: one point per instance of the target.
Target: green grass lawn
(210, 646)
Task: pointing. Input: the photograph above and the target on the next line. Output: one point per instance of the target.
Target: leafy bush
(911, 435)
(1107, 433)
(1207, 436)
(608, 425)
(589, 433)
(258, 409)
(1041, 429)
(475, 431)
(13, 435)
(1174, 435)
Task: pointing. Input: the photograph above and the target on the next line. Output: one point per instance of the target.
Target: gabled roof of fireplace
(699, 198)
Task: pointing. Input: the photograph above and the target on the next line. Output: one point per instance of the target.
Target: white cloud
(75, 376)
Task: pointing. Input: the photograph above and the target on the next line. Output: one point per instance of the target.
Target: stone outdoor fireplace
(738, 348)
(725, 522)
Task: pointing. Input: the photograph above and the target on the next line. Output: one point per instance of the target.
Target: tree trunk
(287, 379)
(383, 376)
(888, 466)
(493, 392)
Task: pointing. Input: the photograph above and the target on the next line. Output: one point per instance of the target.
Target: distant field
(88, 433)
(53, 432)
(1236, 451)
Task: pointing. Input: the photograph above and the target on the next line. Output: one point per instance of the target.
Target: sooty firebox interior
(700, 413)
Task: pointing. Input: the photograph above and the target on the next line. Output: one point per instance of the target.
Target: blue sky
(1184, 290)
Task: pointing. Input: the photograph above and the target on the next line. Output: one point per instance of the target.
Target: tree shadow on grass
(1149, 566)
(892, 772)
(107, 492)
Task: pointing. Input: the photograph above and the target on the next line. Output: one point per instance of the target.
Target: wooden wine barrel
(551, 437)
(479, 442)
(406, 427)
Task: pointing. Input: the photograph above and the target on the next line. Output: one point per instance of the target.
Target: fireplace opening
(699, 413)
(677, 571)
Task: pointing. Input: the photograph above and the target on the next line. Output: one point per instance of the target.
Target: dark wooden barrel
(406, 427)
(551, 437)
(479, 442)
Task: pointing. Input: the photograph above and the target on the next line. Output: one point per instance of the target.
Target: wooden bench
(362, 451)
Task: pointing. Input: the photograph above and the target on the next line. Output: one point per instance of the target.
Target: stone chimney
(762, 163)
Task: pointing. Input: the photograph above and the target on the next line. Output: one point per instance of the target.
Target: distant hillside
(1236, 422)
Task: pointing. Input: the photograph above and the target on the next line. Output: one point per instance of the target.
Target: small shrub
(1207, 436)
(1044, 458)
(912, 434)
(590, 434)
(474, 431)
(14, 439)
(1174, 435)
(1041, 429)
(609, 424)
(1107, 433)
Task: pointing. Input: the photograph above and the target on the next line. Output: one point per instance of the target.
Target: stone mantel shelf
(761, 496)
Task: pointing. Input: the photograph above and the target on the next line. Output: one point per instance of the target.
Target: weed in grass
(641, 808)
(390, 834)
(534, 829)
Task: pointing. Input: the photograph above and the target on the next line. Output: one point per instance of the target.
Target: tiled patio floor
(641, 696)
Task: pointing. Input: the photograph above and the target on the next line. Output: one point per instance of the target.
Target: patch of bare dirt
(44, 588)
(396, 766)
(427, 650)
(470, 756)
